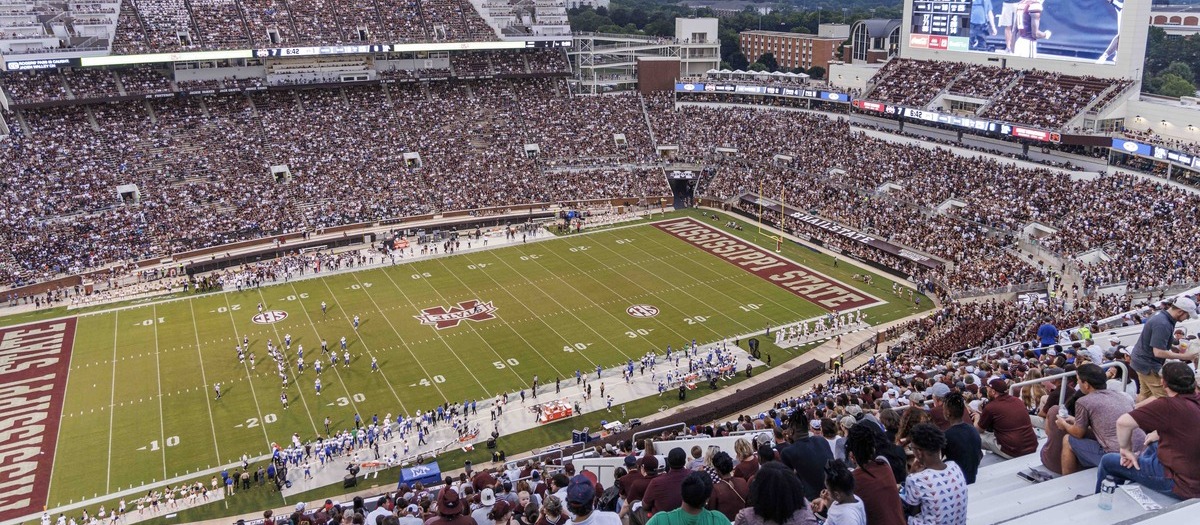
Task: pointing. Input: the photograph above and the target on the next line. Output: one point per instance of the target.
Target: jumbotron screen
(1083, 30)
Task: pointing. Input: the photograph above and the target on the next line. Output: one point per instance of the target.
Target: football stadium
(495, 262)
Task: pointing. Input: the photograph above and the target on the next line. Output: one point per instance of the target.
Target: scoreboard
(942, 17)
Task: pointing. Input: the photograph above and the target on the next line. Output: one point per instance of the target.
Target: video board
(1079, 30)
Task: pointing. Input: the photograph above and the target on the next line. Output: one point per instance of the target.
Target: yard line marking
(338, 373)
(440, 338)
(615, 293)
(473, 329)
(253, 395)
(295, 377)
(709, 269)
(683, 289)
(162, 431)
(112, 399)
(659, 258)
(564, 310)
(212, 423)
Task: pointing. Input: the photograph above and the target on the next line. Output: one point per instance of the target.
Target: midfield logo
(441, 318)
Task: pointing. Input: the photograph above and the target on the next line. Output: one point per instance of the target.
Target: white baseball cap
(1186, 304)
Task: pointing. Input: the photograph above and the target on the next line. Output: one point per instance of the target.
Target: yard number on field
(534, 256)
(436, 379)
(293, 297)
(479, 266)
(624, 241)
(580, 248)
(171, 442)
(267, 419)
(633, 334)
(151, 321)
(358, 398)
(576, 346)
(500, 364)
(356, 286)
(695, 319)
(422, 275)
(230, 308)
(750, 307)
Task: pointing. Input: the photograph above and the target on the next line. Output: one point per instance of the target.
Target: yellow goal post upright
(777, 238)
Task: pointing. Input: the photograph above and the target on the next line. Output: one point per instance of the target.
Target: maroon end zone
(34, 360)
(781, 272)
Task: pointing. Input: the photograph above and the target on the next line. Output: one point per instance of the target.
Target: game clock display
(1081, 30)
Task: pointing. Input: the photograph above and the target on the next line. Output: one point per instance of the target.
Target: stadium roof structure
(880, 27)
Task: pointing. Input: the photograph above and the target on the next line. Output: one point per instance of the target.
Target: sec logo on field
(269, 317)
(642, 310)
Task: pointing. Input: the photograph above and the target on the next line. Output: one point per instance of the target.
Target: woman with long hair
(776, 498)
(747, 458)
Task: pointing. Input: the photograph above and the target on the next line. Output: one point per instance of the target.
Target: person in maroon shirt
(665, 492)
(1169, 464)
(635, 486)
(874, 482)
(729, 493)
(450, 510)
(747, 460)
(1004, 424)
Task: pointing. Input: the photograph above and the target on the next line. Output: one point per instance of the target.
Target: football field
(139, 406)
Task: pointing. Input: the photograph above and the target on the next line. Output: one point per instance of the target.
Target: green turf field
(139, 401)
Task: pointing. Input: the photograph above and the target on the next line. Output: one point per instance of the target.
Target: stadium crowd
(149, 26)
(231, 140)
(1032, 98)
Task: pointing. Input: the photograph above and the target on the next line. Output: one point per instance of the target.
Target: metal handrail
(639, 434)
(1062, 392)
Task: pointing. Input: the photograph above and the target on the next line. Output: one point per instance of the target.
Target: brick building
(791, 50)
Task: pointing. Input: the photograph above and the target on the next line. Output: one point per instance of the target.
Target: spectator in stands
(501, 513)
(837, 443)
(662, 494)
(1003, 423)
(1047, 334)
(730, 492)
(1168, 464)
(935, 491)
(635, 486)
(1154, 346)
(412, 515)
(695, 489)
(558, 485)
(837, 501)
(807, 456)
(873, 479)
(383, 507)
(450, 509)
(581, 498)
(487, 499)
(1092, 431)
(552, 512)
(747, 460)
(776, 498)
(963, 445)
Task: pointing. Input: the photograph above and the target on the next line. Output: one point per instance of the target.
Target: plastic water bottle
(1108, 488)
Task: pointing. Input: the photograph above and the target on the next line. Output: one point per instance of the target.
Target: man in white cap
(487, 499)
(1154, 346)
